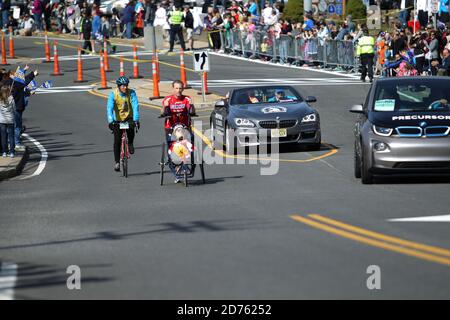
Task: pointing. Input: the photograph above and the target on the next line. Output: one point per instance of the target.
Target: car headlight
(385, 132)
(309, 118)
(241, 122)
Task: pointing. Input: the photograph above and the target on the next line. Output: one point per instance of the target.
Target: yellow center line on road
(379, 236)
(225, 155)
(373, 242)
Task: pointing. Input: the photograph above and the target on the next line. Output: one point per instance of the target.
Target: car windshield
(265, 95)
(412, 95)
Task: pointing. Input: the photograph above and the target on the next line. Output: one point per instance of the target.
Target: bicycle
(124, 148)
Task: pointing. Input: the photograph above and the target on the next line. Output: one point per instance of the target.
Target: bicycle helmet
(122, 81)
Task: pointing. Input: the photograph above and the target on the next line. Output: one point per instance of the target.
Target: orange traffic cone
(157, 67)
(205, 83)
(122, 70)
(135, 64)
(80, 68)
(12, 54)
(4, 62)
(156, 94)
(47, 50)
(183, 70)
(105, 53)
(56, 70)
(104, 84)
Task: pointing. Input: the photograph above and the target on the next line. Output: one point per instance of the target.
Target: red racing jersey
(179, 110)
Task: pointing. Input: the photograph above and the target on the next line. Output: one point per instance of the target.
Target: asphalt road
(242, 235)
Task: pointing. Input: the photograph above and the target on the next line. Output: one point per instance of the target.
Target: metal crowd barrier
(296, 50)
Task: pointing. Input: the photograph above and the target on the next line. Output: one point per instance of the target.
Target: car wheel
(366, 175)
(357, 163)
(316, 146)
(230, 140)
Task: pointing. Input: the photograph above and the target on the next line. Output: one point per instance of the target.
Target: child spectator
(115, 23)
(7, 107)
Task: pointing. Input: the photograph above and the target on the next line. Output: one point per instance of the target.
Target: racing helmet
(122, 81)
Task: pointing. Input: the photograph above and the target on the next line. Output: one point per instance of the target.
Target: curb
(17, 169)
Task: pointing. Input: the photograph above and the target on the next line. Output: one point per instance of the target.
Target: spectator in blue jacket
(96, 29)
(128, 19)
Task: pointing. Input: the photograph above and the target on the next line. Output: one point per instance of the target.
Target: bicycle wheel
(125, 167)
(125, 161)
(185, 178)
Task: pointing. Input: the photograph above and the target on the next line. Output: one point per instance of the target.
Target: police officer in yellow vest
(366, 51)
(176, 17)
(122, 106)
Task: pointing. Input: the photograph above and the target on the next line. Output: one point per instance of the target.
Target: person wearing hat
(350, 24)
(27, 26)
(366, 51)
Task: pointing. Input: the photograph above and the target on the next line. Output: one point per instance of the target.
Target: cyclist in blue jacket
(122, 106)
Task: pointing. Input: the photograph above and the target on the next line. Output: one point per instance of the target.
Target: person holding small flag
(18, 82)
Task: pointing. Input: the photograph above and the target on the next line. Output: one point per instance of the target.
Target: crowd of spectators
(253, 29)
(413, 44)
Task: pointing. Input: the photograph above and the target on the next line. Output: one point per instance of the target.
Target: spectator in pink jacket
(37, 13)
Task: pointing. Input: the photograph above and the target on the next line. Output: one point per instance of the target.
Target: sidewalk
(200, 42)
(11, 167)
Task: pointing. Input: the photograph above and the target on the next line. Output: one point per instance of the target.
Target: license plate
(124, 125)
(278, 133)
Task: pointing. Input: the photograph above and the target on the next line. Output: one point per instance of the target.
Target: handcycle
(185, 169)
(124, 147)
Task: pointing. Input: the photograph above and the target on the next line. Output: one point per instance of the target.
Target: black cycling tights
(118, 139)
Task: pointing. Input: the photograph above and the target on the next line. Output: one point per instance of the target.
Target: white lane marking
(277, 80)
(44, 157)
(69, 89)
(355, 76)
(8, 278)
(63, 91)
(284, 81)
(229, 85)
(88, 86)
(442, 218)
(89, 57)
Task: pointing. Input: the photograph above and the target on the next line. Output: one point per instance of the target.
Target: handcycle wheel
(161, 175)
(202, 172)
(161, 164)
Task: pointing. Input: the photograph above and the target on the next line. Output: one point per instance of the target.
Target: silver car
(256, 116)
(403, 127)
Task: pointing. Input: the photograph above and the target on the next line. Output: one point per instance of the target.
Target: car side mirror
(220, 104)
(358, 108)
(311, 99)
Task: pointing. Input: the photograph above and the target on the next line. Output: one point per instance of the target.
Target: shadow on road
(54, 147)
(156, 229)
(425, 179)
